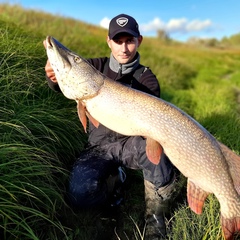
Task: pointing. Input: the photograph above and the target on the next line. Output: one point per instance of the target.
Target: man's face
(124, 47)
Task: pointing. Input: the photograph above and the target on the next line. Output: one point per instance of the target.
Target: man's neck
(125, 68)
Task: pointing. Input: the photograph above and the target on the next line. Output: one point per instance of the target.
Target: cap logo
(122, 21)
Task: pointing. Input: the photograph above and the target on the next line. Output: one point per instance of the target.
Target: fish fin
(81, 110)
(92, 119)
(153, 150)
(233, 161)
(196, 197)
(230, 227)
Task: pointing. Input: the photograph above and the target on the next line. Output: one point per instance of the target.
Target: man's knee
(93, 180)
(86, 188)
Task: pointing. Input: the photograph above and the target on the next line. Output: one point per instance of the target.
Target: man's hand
(48, 68)
(49, 72)
(153, 150)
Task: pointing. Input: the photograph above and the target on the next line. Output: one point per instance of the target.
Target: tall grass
(34, 152)
(40, 134)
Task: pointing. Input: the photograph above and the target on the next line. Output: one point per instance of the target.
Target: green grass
(40, 134)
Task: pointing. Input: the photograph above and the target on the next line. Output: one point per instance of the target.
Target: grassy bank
(40, 134)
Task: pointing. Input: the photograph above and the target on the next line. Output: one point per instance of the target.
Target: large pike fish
(209, 165)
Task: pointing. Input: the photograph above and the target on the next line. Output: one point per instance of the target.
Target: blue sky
(181, 19)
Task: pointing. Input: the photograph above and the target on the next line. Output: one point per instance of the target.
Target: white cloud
(105, 22)
(176, 25)
(197, 25)
(154, 25)
(180, 25)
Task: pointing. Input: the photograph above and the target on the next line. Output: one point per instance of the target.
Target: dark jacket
(145, 81)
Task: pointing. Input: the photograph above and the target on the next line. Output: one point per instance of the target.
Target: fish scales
(170, 131)
(190, 147)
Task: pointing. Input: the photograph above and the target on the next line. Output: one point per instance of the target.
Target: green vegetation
(40, 134)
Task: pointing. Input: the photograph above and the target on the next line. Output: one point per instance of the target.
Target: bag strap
(139, 71)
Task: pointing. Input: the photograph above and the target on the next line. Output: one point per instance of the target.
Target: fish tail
(230, 227)
(233, 161)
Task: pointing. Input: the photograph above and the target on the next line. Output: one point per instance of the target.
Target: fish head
(76, 78)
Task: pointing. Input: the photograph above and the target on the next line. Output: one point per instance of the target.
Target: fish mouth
(61, 53)
(50, 43)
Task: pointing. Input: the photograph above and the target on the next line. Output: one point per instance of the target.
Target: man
(97, 172)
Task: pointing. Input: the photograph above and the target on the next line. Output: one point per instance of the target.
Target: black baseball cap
(123, 23)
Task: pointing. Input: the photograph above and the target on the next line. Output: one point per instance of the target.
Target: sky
(180, 19)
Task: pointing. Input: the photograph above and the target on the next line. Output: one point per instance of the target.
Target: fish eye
(77, 59)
